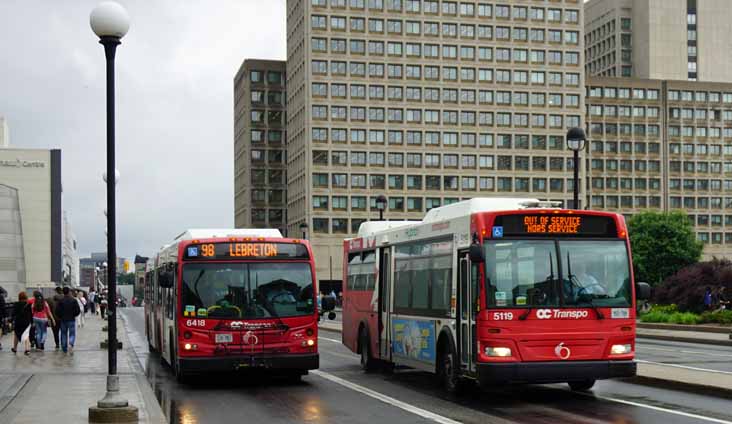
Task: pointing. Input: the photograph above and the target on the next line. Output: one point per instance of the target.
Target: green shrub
(686, 318)
(717, 317)
(665, 309)
(659, 314)
(654, 316)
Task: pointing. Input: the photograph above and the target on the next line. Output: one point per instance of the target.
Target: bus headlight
(501, 352)
(620, 349)
(187, 346)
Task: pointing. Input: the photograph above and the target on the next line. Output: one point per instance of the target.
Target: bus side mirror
(476, 254)
(327, 304)
(642, 291)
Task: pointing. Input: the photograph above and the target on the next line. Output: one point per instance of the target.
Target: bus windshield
(247, 290)
(527, 273)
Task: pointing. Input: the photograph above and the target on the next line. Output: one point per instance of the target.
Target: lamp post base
(113, 408)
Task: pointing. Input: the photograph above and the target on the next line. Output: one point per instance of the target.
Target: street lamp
(304, 229)
(576, 142)
(381, 205)
(110, 22)
(116, 172)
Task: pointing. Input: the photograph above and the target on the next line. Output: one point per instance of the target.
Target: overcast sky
(175, 71)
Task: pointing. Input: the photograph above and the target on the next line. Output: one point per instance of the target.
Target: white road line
(386, 399)
(683, 351)
(684, 367)
(670, 411)
(330, 340)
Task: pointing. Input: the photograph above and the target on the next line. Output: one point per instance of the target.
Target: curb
(684, 339)
(681, 327)
(663, 383)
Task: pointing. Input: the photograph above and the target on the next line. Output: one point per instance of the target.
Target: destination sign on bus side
(537, 225)
(245, 250)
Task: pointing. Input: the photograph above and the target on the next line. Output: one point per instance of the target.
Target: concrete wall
(659, 39)
(714, 23)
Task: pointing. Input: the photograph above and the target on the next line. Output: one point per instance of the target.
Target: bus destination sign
(538, 225)
(245, 250)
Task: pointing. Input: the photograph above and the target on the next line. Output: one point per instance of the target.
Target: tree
(662, 244)
(686, 288)
(126, 279)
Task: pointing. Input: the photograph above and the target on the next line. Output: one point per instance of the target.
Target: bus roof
(193, 234)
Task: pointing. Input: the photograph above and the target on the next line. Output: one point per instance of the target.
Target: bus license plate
(224, 338)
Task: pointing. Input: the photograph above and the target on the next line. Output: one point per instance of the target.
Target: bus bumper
(289, 362)
(553, 372)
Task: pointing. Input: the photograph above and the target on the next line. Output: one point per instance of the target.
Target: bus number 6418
(502, 316)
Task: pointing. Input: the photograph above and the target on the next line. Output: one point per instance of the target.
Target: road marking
(386, 399)
(330, 340)
(684, 351)
(683, 366)
(670, 411)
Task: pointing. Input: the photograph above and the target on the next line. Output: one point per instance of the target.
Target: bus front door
(384, 302)
(467, 308)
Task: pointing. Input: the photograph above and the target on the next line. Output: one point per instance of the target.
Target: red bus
(497, 291)
(224, 300)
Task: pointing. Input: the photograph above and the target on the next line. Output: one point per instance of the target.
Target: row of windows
(613, 183)
(444, 73)
(439, 182)
(641, 130)
(397, 27)
(716, 238)
(685, 131)
(652, 94)
(625, 165)
(612, 111)
(276, 216)
(676, 166)
(435, 51)
(273, 77)
(272, 136)
(444, 117)
(615, 202)
(361, 271)
(423, 277)
(270, 156)
(437, 138)
(699, 184)
(626, 147)
(699, 149)
(436, 160)
(274, 98)
(454, 8)
(267, 176)
(398, 93)
(270, 117)
(272, 197)
(703, 114)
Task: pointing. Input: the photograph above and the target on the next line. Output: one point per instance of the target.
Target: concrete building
(664, 145)
(426, 102)
(659, 39)
(259, 145)
(140, 270)
(31, 227)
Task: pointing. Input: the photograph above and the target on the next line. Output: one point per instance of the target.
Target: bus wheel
(448, 372)
(581, 386)
(368, 363)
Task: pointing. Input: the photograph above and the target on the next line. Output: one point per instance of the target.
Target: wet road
(341, 392)
(691, 355)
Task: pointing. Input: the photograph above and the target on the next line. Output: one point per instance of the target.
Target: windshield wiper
(525, 315)
(575, 281)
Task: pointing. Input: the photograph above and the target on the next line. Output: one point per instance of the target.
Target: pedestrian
(722, 298)
(80, 299)
(42, 315)
(3, 315)
(32, 334)
(57, 297)
(22, 317)
(92, 301)
(67, 311)
(708, 298)
(103, 306)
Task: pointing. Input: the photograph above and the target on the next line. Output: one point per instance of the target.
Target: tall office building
(426, 102)
(259, 145)
(659, 39)
(665, 145)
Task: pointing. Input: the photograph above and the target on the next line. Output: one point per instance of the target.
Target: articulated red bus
(494, 290)
(222, 300)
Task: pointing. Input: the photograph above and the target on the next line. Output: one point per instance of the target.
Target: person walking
(80, 299)
(67, 311)
(57, 297)
(42, 315)
(92, 301)
(22, 317)
(708, 304)
(2, 316)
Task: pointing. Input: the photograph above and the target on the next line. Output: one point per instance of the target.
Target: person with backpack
(67, 311)
(41, 317)
(57, 297)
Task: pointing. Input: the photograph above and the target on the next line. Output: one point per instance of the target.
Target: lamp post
(381, 205)
(304, 229)
(576, 142)
(110, 22)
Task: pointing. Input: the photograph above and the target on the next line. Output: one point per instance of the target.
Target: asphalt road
(685, 355)
(341, 392)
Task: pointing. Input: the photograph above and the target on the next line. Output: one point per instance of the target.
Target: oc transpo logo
(562, 351)
(559, 313)
(250, 338)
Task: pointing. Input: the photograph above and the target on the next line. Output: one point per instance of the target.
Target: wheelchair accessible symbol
(497, 232)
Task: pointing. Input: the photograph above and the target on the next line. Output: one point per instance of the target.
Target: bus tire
(581, 386)
(368, 363)
(448, 372)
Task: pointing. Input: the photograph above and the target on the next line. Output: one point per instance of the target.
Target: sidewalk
(50, 386)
